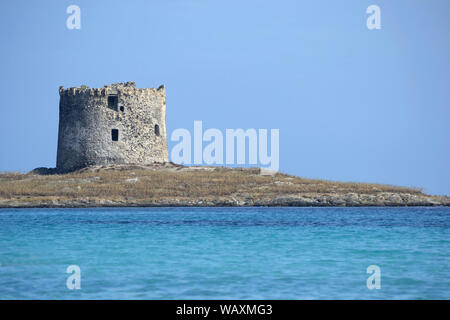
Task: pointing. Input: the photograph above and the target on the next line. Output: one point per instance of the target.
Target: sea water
(225, 253)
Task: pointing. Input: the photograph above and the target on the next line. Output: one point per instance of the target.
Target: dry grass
(182, 183)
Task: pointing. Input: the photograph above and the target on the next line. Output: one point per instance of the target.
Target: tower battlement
(122, 87)
(116, 124)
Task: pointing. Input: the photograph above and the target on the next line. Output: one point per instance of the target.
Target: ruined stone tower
(117, 124)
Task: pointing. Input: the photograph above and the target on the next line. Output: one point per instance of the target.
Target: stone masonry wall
(86, 122)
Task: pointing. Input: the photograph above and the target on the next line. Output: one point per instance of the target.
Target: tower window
(115, 134)
(157, 130)
(113, 101)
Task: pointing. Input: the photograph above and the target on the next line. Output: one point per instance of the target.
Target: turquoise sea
(225, 253)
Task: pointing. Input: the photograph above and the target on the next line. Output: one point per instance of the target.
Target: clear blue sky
(351, 104)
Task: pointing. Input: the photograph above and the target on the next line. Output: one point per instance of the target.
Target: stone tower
(117, 124)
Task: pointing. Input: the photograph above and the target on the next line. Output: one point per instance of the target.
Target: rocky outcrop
(168, 184)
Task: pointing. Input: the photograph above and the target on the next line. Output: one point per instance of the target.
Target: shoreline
(199, 206)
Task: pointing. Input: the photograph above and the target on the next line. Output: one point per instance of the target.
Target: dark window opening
(122, 108)
(156, 129)
(115, 134)
(113, 101)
